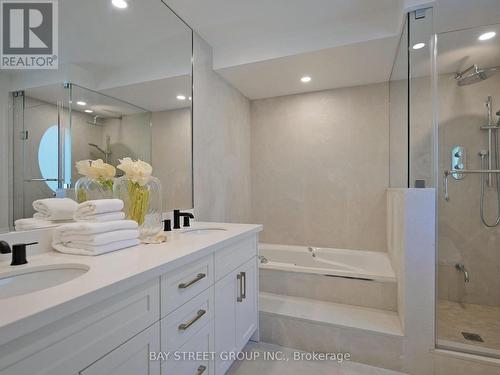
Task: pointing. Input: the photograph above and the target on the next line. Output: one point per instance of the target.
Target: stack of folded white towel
(100, 210)
(95, 238)
(50, 212)
(99, 228)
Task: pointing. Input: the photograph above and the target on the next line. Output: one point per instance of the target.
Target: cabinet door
(225, 319)
(131, 358)
(246, 310)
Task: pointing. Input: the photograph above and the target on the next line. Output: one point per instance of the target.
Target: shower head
(94, 121)
(474, 74)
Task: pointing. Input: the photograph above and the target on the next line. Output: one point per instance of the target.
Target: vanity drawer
(179, 286)
(182, 324)
(230, 257)
(201, 345)
(69, 345)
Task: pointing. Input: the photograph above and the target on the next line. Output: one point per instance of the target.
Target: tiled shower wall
(320, 167)
(462, 236)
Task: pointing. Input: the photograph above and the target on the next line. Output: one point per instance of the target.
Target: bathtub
(356, 264)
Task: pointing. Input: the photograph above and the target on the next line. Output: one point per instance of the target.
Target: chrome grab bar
(199, 314)
(471, 171)
(201, 370)
(447, 173)
(42, 179)
(194, 281)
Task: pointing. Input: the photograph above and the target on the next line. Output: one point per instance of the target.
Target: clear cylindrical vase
(142, 203)
(88, 188)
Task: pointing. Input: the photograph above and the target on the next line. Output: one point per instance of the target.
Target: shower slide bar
(462, 171)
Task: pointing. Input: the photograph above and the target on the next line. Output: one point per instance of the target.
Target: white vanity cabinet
(70, 345)
(236, 309)
(131, 358)
(207, 305)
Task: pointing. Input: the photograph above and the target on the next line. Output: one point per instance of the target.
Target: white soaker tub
(358, 264)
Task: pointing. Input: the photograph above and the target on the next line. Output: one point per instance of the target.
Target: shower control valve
(457, 162)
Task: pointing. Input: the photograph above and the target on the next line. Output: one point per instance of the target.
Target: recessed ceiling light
(89, 111)
(418, 46)
(305, 79)
(122, 4)
(488, 35)
(190, 98)
(81, 102)
(181, 97)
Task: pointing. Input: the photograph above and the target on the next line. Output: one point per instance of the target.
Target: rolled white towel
(88, 209)
(89, 249)
(32, 223)
(82, 227)
(99, 238)
(54, 208)
(108, 216)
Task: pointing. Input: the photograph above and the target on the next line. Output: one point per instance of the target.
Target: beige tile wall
(462, 236)
(221, 144)
(320, 167)
(172, 157)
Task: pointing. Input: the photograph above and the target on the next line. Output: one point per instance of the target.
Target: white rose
(137, 171)
(95, 169)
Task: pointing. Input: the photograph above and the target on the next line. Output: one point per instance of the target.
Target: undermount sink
(198, 231)
(30, 279)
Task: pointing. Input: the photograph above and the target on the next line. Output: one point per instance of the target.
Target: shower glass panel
(59, 124)
(421, 125)
(398, 114)
(41, 147)
(410, 115)
(467, 97)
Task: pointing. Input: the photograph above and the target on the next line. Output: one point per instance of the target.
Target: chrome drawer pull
(239, 292)
(194, 281)
(244, 278)
(201, 370)
(199, 314)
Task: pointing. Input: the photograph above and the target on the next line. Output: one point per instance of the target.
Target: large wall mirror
(120, 91)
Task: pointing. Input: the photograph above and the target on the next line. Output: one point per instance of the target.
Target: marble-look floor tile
(291, 367)
(454, 318)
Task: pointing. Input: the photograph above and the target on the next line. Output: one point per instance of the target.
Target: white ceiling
(242, 31)
(263, 47)
(352, 65)
(155, 95)
(141, 54)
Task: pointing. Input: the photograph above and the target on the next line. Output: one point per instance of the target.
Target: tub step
(372, 294)
(371, 336)
(335, 314)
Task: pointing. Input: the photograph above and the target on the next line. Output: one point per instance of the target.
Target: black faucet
(177, 218)
(18, 252)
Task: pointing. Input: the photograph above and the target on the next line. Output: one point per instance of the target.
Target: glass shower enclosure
(56, 125)
(445, 124)
(467, 103)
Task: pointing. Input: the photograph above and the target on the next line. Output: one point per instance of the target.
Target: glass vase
(142, 203)
(88, 188)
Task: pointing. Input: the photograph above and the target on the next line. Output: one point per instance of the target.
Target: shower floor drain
(472, 337)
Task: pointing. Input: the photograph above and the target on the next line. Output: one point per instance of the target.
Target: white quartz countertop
(108, 274)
